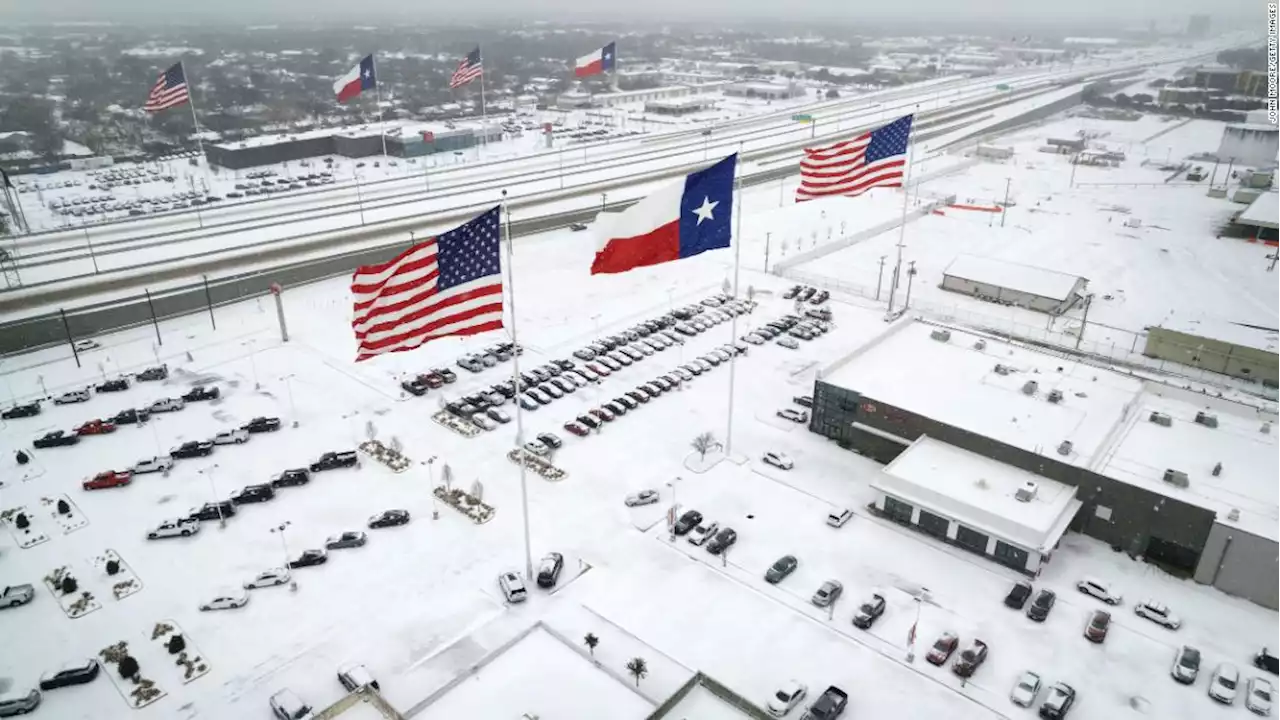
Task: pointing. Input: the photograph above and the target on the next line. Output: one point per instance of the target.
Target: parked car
(970, 659)
(512, 587)
(1224, 683)
(724, 539)
(76, 673)
(1158, 614)
(389, 518)
(95, 427)
(1040, 607)
(829, 705)
(1095, 630)
(129, 417)
(498, 416)
(827, 593)
(253, 494)
(1025, 689)
(291, 478)
(549, 569)
(576, 429)
(116, 385)
(1099, 590)
(789, 343)
(108, 479)
(268, 578)
(334, 460)
(356, 676)
(1018, 595)
(55, 438)
(1186, 665)
(348, 539)
(1058, 702)
(309, 558)
(72, 397)
(779, 460)
(166, 405)
(780, 569)
(1264, 660)
(176, 527)
(942, 648)
(838, 518)
(234, 436)
(20, 411)
(261, 425)
(686, 522)
(1257, 696)
(19, 703)
(15, 595)
(786, 698)
(209, 512)
(85, 345)
(152, 374)
(286, 705)
(869, 611)
(644, 497)
(192, 448)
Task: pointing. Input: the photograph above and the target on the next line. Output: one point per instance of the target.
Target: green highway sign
(802, 118)
(1002, 86)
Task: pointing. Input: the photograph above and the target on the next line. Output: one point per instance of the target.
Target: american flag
(852, 167)
(448, 285)
(169, 91)
(469, 69)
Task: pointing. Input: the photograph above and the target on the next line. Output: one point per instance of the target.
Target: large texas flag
(357, 80)
(596, 62)
(681, 220)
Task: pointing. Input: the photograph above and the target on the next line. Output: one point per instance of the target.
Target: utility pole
(880, 278)
(766, 251)
(1004, 207)
(1084, 322)
(1072, 182)
(911, 273)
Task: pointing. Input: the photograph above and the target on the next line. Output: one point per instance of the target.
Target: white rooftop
(1225, 330)
(957, 384)
(1263, 211)
(1014, 276)
(980, 493)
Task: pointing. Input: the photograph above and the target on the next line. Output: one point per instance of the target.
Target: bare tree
(370, 430)
(591, 641)
(638, 668)
(704, 444)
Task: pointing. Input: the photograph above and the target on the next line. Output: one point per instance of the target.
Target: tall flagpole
(377, 96)
(902, 226)
(191, 100)
(733, 323)
(515, 380)
(484, 116)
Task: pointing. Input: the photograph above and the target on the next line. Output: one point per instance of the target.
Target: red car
(603, 414)
(942, 649)
(576, 429)
(96, 427)
(108, 479)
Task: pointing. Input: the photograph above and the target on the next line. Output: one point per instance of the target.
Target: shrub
(176, 644)
(128, 667)
(21, 522)
(113, 567)
(64, 508)
(69, 585)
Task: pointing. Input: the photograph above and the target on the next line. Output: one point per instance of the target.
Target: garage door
(971, 539)
(934, 525)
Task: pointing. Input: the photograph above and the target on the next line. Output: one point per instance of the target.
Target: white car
(786, 698)
(778, 460)
(226, 602)
(174, 527)
(355, 676)
(1258, 697)
(286, 705)
(795, 416)
(484, 422)
(75, 396)
(268, 578)
(167, 405)
(837, 518)
(788, 343)
(512, 587)
(703, 532)
(155, 464)
(1100, 590)
(644, 497)
(1224, 683)
(234, 436)
(1158, 614)
(83, 345)
(537, 448)
(1025, 689)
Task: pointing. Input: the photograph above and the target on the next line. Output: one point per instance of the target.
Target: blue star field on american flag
(470, 251)
(889, 140)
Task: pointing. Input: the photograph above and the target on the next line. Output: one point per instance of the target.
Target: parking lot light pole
(288, 386)
(431, 480)
(284, 544)
(213, 489)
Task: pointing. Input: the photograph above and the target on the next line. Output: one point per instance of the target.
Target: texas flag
(681, 220)
(597, 62)
(357, 80)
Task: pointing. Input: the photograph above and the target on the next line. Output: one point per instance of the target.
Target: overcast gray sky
(374, 11)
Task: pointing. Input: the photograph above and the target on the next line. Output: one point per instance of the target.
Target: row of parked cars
(804, 293)
(120, 384)
(790, 329)
(702, 532)
(666, 329)
(98, 426)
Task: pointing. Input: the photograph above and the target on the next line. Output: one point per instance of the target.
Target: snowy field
(419, 604)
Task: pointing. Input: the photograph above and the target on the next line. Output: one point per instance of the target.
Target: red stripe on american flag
(841, 169)
(401, 313)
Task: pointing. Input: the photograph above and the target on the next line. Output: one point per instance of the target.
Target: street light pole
(213, 490)
(284, 544)
(880, 278)
(288, 386)
(911, 273)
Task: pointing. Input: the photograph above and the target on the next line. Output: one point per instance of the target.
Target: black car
(152, 374)
(389, 518)
(129, 417)
(117, 385)
(348, 539)
(416, 386)
(1041, 606)
(309, 558)
(262, 424)
(194, 448)
(56, 438)
(253, 494)
(506, 389)
(722, 541)
(21, 411)
(214, 511)
(1018, 596)
(688, 521)
(74, 674)
(565, 365)
(551, 441)
(445, 374)
(869, 611)
(201, 392)
(291, 478)
(333, 460)
(779, 571)
(549, 570)
(577, 227)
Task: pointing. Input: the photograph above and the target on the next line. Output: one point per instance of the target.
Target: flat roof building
(1007, 283)
(1245, 351)
(680, 106)
(402, 140)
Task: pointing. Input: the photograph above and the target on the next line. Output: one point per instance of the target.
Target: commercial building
(1007, 283)
(1261, 215)
(680, 106)
(402, 140)
(764, 90)
(1249, 144)
(1180, 479)
(1245, 351)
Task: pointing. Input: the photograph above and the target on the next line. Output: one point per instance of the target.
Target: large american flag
(852, 167)
(448, 285)
(469, 69)
(169, 91)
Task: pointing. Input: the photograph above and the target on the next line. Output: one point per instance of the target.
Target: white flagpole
(733, 323)
(191, 100)
(515, 379)
(484, 116)
(377, 96)
(902, 227)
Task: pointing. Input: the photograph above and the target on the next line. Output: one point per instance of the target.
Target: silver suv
(828, 593)
(19, 703)
(15, 595)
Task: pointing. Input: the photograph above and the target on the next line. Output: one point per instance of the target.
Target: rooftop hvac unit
(1002, 370)
(1176, 477)
(1266, 428)
(1065, 448)
(1027, 492)
(1030, 387)
(1055, 396)
(1133, 223)
(941, 335)
(980, 344)
(1161, 419)
(1207, 420)
(1234, 515)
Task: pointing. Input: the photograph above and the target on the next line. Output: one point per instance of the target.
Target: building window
(897, 510)
(971, 539)
(1014, 557)
(934, 525)
(1102, 512)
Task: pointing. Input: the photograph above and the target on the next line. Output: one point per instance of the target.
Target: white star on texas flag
(704, 212)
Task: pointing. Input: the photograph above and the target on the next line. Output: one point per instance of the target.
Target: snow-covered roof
(1262, 212)
(1013, 276)
(980, 493)
(1226, 331)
